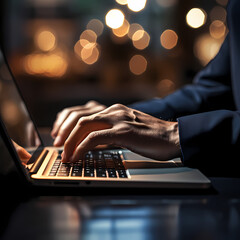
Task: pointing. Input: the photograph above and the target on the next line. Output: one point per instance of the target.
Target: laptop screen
(13, 111)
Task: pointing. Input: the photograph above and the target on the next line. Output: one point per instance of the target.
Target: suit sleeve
(209, 126)
(210, 141)
(211, 90)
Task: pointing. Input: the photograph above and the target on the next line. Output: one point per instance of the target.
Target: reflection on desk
(124, 217)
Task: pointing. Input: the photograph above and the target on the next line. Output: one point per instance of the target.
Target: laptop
(99, 168)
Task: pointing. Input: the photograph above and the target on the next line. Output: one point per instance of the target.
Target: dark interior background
(41, 42)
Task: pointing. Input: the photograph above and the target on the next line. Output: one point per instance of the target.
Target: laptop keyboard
(96, 164)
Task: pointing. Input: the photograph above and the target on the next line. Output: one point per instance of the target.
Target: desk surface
(117, 215)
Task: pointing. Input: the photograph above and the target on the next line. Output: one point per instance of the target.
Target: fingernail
(57, 141)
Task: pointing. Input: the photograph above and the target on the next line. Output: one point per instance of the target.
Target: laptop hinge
(37, 164)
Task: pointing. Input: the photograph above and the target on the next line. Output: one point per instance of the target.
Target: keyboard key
(76, 174)
(107, 156)
(63, 174)
(53, 173)
(64, 169)
(76, 168)
(89, 172)
(112, 173)
(76, 171)
(55, 168)
(101, 173)
(122, 173)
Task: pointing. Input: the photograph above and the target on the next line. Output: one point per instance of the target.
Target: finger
(23, 154)
(57, 124)
(68, 125)
(84, 127)
(66, 128)
(85, 110)
(62, 117)
(106, 136)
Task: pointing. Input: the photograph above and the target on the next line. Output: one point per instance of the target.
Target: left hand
(23, 154)
(125, 127)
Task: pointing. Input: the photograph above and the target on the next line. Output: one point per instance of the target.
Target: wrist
(174, 136)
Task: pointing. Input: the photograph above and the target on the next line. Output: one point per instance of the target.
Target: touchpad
(128, 155)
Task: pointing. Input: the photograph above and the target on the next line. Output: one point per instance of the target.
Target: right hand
(68, 118)
(121, 126)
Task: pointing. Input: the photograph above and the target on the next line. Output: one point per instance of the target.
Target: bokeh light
(140, 39)
(217, 29)
(222, 2)
(10, 112)
(90, 54)
(165, 86)
(77, 49)
(45, 40)
(218, 13)
(138, 64)
(206, 48)
(114, 18)
(88, 36)
(122, 2)
(196, 17)
(96, 26)
(136, 5)
(123, 30)
(49, 65)
(133, 28)
(169, 39)
(138, 35)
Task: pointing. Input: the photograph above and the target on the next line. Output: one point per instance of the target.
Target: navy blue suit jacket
(208, 111)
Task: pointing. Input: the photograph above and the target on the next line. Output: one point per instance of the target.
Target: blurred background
(66, 52)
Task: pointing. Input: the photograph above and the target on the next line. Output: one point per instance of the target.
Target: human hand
(125, 127)
(23, 154)
(68, 118)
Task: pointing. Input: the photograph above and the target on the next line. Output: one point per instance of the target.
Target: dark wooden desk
(76, 214)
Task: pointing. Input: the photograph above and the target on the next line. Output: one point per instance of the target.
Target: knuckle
(65, 111)
(82, 121)
(96, 117)
(91, 103)
(92, 136)
(99, 108)
(74, 114)
(118, 106)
